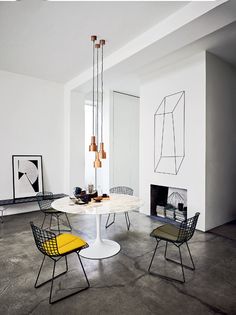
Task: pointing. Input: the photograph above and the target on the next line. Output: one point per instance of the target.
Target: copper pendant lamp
(102, 153)
(97, 163)
(97, 129)
(93, 145)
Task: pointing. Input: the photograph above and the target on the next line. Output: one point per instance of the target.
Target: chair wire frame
(45, 200)
(46, 242)
(120, 190)
(185, 233)
(187, 229)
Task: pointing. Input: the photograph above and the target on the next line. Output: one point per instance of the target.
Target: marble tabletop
(117, 203)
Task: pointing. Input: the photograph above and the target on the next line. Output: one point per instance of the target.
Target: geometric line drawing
(169, 134)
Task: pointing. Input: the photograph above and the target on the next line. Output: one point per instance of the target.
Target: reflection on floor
(121, 284)
(227, 230)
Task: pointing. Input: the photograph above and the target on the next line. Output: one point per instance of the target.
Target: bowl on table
(98, 199)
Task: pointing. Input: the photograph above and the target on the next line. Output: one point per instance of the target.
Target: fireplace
(168, 203)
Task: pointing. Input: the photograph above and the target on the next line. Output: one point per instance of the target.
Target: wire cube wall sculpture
(169, 134)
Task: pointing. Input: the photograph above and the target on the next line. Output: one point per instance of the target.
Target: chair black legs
(70, 227)
(57, 215)
(51, 301)
(107, 225)
(179, 263)
(174, 261)
(127, 220)
(83, 270)
(41, 284)
(154, 253)
(58, 224)
(43, 220)
(50, 226)
(193, 268)
(114, 216)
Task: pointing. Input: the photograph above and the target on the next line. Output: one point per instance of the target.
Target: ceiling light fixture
(93, 145)
(97, 131)
(102, 153)
(97, 163)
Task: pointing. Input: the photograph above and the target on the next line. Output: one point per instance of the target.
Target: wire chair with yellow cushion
(56, 247)
(120, 190)
(177, 235)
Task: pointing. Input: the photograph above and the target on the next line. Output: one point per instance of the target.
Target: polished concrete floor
(121, 284)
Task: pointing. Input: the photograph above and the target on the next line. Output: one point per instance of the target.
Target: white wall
(31, 123)
(220, 142)
(77, 129)
(124, 141)
(189, 76)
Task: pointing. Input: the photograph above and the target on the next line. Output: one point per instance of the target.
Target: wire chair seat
(120, 190)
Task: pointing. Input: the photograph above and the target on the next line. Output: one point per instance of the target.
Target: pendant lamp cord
(102, 96)
(97, 93)
(93, 85)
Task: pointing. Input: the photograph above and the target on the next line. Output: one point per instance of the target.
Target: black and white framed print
(27, 175)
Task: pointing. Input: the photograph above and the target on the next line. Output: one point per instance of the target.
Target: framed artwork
(27, 175)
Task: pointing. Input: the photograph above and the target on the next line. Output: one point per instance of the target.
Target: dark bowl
(98, 199)
(85, 198)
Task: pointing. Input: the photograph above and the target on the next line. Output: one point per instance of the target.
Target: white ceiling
(214, 31)
(51, 40)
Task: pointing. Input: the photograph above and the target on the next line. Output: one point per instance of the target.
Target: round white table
(100, 248)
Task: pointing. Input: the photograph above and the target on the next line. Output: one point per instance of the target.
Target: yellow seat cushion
(166, 231)
(65, 243)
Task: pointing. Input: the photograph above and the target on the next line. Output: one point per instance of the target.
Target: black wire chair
(56, 247)
(120, 190)
(177, 235)
(45, 200)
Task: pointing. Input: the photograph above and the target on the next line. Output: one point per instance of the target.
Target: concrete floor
(121, 284)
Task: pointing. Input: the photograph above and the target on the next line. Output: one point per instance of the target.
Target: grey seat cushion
(51, 210)
(166, 232)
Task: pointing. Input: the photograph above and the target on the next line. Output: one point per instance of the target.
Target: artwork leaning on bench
(27, 175)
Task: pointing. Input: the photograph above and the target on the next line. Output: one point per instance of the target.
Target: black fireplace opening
(159, 195)
(168, 202)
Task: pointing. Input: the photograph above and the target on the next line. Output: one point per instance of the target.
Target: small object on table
(80, 202)
(105, 197)
(73, 201)
(76, 201)
(85, 198)
(98, 199)
(90, 188)
(93, 194)
(77, 191)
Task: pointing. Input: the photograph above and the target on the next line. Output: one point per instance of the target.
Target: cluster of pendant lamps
(98, 80)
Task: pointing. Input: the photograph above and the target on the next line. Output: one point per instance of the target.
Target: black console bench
(9, 202)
